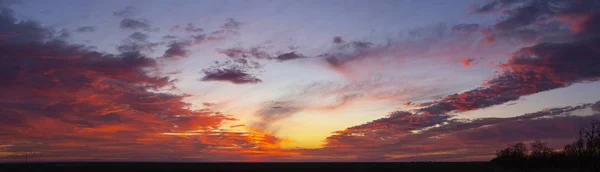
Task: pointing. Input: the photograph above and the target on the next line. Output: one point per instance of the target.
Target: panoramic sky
(283, 80)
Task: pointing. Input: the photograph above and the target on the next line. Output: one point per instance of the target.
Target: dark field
(247, 167)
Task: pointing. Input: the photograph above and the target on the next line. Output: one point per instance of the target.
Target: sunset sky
(283, 80)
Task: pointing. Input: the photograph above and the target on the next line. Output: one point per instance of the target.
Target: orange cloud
(67, 102)
(467, 62)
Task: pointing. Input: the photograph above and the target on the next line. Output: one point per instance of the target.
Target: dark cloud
(134, 24)
(338, 40)
(259, 52)
(63, 34)
(289, 56)
(191, 28)
(129, 46)
(525, 15)
(531, 70)
(137, 42)
(21, 31)
(177, 50)
(244, 60)
(234, 71)
(137, 36)
(535, 21)
(85, 29)
(128, 11)
(347, 51)
(559, 63)
(495, 5)
(128, 21)
(231, 24)
(465, 28)
(169, 37)
(233, 75)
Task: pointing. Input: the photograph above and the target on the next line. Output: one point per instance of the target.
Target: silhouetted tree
(583, 154)
(515, 150)
(540, 149)
(513, 155)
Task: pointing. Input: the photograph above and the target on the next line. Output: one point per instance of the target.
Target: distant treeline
(582, 155)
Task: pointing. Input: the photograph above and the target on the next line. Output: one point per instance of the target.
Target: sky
(266, 80)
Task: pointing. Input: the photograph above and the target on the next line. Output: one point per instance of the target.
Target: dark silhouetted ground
(250, 167)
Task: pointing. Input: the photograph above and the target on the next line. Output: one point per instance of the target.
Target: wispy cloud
(86, 29)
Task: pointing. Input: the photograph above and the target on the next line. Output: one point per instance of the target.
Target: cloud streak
(463, 140)
(85, 29)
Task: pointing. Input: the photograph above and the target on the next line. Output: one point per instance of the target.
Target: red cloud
(467, 62)
(66, 102)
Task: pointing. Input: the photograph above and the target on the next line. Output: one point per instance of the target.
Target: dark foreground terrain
(248, 167)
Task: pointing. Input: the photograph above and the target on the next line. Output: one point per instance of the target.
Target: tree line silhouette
(583, 154)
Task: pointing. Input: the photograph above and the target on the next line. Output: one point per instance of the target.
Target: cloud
(532, 69)
(441, 41)
(176, 50)
(85, 29)
(467, 62)
(191, 28)
(494, 5)
(463, 139)
(243, 61)
(254, 52)
(535, 21)
(129, 46)
(260, 53)
(273, 112)
(235, 72)
(596, 106)
(231, 24)
(465, 28)
(138, 42)
(338, 40)
(137, 36)
(134, 24)
(128, 11)
(169, 37)
(128, 22)
(208, 104)
(323, 97)
(63, 34)
(289, 56)
(64, 102)
(179, 48)
(233, 75)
